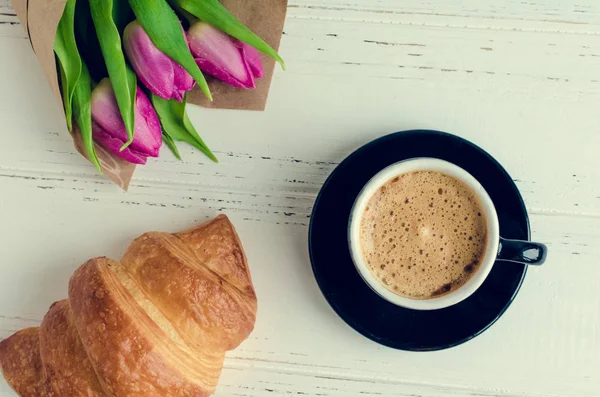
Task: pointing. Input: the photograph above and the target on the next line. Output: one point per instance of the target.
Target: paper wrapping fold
(264, 17)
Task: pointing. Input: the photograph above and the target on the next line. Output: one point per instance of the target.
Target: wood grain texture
(519, 78)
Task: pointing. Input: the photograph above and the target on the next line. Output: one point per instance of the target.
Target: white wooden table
(519, 78)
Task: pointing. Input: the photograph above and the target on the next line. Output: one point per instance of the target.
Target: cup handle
(525, 252)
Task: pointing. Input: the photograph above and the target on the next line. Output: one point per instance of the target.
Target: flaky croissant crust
(157, 323)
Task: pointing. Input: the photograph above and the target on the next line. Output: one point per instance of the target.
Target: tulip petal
(113, 145)
(105, 109)
(105, 113)
(216, 54)
(183, 82)
(223, 75)
(153, 67)
(253, 58)
(148, 131)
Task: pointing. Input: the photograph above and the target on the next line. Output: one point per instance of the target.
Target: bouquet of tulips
(144, 40)
(125, 68)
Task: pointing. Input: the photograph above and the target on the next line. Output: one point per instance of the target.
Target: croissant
(157, 323)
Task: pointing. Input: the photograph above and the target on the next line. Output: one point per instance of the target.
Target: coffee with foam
(423, 234)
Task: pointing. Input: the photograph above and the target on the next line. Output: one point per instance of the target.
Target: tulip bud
(159, 73)
(224, 57)
(109, 131)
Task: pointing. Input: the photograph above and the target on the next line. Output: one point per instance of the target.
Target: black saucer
(355, 302)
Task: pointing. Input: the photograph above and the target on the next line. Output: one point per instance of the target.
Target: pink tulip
(224, 57)
(109, 131)
(159, 73)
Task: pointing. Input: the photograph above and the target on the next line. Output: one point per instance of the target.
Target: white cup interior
(425, 164)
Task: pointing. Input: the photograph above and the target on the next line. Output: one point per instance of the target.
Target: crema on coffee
(423, 234)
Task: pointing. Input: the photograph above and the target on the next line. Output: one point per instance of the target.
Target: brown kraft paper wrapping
(264, 17)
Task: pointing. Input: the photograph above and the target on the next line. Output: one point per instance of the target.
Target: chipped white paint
(520, 78)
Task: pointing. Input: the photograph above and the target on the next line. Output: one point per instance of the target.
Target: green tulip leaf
(69, 60)
(177, 125)
(171, 145)
(64, 89)
(82, 110)
(121, 76)
(215, 14)
(164, 29)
